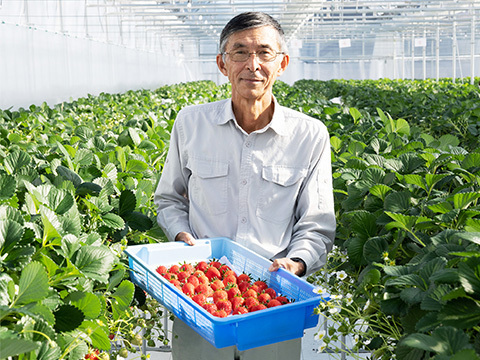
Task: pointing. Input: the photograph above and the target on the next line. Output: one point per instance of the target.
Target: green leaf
(374, 248)
(60, 201)
(443, 341)
(134, 165)
(11, 233)
(398, 202)
(415, 179)
(355, 250)
(355, 114)
(469, 273)
(16, 161)
(448, 140)
(68, 318)
(8, 186)
(123, 297)
(98, 337)
(463, 200)
(84, 132)
(336, 143)
(94, 262)
(83, 157)
(12, 345)
(128, 202)
(380, 190)
(134, 136)
(364, 224)
(138, 221)
(113, 221)
(33, 284)
(407, 280)
(110, 171)
(402, 127)
(88, 188)
(461, 313)
(87, 302)
(69, 175)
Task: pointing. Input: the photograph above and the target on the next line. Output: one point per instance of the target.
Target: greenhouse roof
(148, 23)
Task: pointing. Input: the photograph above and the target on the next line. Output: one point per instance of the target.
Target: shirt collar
(277, 124)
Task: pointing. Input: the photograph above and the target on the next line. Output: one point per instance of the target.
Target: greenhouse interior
(92, 94)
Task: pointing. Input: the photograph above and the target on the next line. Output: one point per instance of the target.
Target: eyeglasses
(266, 55)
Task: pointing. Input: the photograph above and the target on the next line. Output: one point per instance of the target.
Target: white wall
(38, 65)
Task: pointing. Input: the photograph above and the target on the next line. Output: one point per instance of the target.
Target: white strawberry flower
(320, 335)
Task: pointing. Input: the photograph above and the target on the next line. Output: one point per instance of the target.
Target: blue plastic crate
(245, 331)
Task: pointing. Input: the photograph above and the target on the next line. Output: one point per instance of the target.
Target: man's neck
(253, 115)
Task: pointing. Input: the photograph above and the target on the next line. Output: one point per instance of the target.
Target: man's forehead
(261, 37)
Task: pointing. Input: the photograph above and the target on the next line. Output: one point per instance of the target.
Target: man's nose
(253, 63)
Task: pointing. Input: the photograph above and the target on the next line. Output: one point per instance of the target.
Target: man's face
(252, 79)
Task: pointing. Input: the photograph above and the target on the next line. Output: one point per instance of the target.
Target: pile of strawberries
(216, 288)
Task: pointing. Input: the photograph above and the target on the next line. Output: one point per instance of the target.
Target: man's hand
(294, 267)
(185, 237)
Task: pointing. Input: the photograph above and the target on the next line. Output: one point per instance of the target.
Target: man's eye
(239, 52)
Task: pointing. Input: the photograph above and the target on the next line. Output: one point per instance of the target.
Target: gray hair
(250, 20)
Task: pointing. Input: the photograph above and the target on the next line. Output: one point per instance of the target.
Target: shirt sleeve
(314, 230)
(171, 195)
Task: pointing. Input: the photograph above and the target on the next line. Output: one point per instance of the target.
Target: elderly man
(251, 170)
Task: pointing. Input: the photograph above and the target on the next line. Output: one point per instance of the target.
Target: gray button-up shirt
(270, 190)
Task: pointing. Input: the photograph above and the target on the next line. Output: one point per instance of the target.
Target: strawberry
(182, 276)
(250, 293)
(229, 279)
(255, 288)
(237, 301)
(220, 313)
(174, 269)
(271, 292)
(200, 299)
(203, 279)
(264, 298)
(217, 285)
(216, 264)
(193, 280)
(242, 278)
(213, 273)
(188, 289)
(262, 285)
(224, 268)
(250, 302)
(282, 299)
(162, 270)
(240, 310)
(220, 294)
(243, 286)
(273, 303)
(257, 307)
(224, 305)
(186, 267)
(176, 283)
(211, 308)
(233, 291)
(204, 289)
(202, 266)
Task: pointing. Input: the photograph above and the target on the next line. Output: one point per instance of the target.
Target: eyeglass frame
(254, 52)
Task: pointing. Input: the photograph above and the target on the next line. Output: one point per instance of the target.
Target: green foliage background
(77, 182)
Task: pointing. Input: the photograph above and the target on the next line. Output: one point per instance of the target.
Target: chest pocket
(279, 191)
(208, 185)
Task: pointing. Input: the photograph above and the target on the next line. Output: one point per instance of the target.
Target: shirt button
(248, 144)
(244, 182)
(244, 220)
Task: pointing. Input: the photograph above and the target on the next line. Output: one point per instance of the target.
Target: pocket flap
(208, 168)
(283, 175)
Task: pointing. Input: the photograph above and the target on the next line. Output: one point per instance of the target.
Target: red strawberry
(217, 285)
(200, 299)
(271, 292)
(224, 268)
(188, 289)
(224, 305)
(187, 268)
(174, 269)
(237, 301)
(250, 293)
(243, 286)
(233, 291)
(202, 266)
(242, 278)
(211, 308)
(193, 280)
(273, 303)
(176, 283)
(229, 279)
(257, 307)
(264, 298)
(255, 288)
(250, 302)
(215, 264)
(240, 310)
(283, 300)
(182, 276)
(220, 313)
(162, 270)
(213, 273)
(220, 295)
(262, 285)
(204, 289)
(203, 279)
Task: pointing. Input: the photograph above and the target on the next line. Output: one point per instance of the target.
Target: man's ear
(221, 64)
(283, 64)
